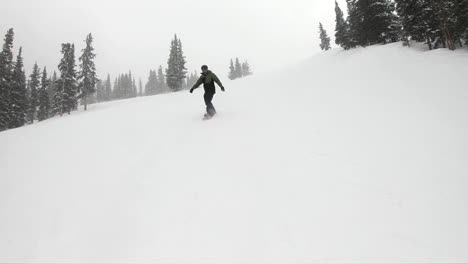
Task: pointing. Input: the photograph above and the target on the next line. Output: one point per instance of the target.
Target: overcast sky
(136, 34)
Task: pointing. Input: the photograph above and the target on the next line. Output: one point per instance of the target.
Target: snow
(357, 156)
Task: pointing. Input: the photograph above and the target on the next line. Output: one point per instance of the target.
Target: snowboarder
(208, 78)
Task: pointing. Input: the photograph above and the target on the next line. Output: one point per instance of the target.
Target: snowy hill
(358, 156)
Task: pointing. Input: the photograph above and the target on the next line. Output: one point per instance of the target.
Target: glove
(222, 89)
(191, 90)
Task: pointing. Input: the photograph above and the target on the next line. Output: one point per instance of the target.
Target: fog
(135, 35)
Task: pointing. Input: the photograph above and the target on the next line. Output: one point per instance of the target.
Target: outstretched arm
(218, 82)
(197, 84)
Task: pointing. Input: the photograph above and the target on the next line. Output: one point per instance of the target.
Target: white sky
(136, 34)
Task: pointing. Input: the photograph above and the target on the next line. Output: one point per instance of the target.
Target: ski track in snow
(357, 156)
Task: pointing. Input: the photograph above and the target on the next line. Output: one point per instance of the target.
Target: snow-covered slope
(358, 156)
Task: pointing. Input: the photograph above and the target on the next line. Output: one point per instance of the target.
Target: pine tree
(44, 99)
(100, 91)
(355, 22)
(27, 119)
(51, 90)
(181, 69)
(238, 69)
(71, 91)
(87, 74)
(161, 80)
(372, 22)
(151, 87)
(44, 103)
(418, 21)
(246, 71)
(33, 93)
(129, 85)
(341, 29)
(108, 89)
(124, 85)
(324, 38)
(358, 17)
(65, 99)
(59, 84)
(383, 22)
(445, 13)
(176, 71)
(6, 75)
(18, 98)
(232, 71)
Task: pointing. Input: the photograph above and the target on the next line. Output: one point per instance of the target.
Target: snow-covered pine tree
(51, 90)
(129, 83)
(121, 87)
(149, 90)
(87, 76)
(44, 103)
(100, 91)
(176, 71)
(161, 80)
(418, 21)
(391, 24)
(238, 69)
(232, 71)
(65, 99)
(18, 98)
(108, 89)
(341, 29)
(34, 86)
(355, 22)
(27, 119)
(181, 69)
(324, 38)
(246, 70)
(445, 13)
(151, 87)
(59, 84)
(71, 91)
(6, 74)
(372, 22)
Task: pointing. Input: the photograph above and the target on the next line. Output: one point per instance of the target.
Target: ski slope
(358, 156)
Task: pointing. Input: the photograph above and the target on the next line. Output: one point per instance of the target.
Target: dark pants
(210, 110)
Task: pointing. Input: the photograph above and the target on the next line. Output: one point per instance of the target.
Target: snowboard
(207, 117)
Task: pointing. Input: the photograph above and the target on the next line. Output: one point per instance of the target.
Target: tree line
(24, 100)
(239, 70)
(437, 23)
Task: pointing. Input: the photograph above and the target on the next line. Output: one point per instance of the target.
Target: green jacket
(208, 80)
